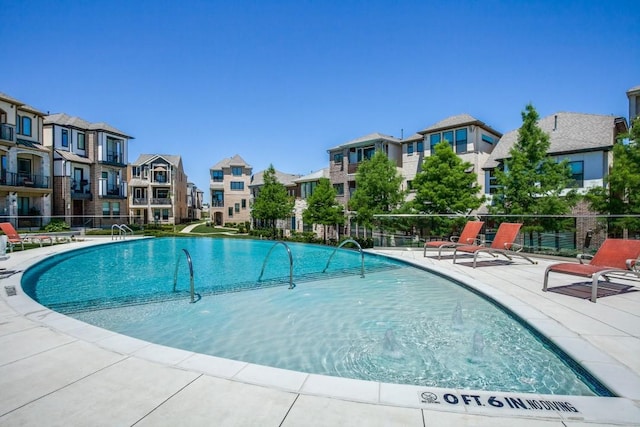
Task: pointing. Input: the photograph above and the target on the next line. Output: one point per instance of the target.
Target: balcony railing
(160, 201)
(7, 132)
(113, 192)
(140, 201)
(24, 180)
(114, 157)
(217, 204)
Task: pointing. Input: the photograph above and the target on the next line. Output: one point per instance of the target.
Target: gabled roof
(568, 133)
(148, 158)
(372, 137)
(414, 137)
(108, 128)
(633, 90)
(283, 178)
(20, 104)
(314, 176)
(64, 119)
(457, 121)
(231, 161)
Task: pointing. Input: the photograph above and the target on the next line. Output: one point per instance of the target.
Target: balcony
(353, 168)
(24, 180)
(113, 158)
(7, 132)
(160, 201)
(217, 204)
(140, 201)
(113, 193)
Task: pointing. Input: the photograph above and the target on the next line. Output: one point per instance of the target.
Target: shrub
(56, 225)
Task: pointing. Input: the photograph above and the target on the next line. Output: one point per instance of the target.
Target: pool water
(399, 324)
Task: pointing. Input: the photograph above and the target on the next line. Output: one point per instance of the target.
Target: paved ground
(55, 370)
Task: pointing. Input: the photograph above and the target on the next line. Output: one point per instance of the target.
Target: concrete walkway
(55, 370)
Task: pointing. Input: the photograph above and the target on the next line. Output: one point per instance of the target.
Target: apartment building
(229, 181)
(289, 180)
(25, 165)
(345, 159)
(195, 198)
(585, 140)
(633, 95)
(158, 192)
(306, 186)
(89, 170)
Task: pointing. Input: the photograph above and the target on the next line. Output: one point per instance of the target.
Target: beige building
(25, 165)
(158, 190)
(472, 140)
(90, 171)
(345, 159)
(195, 198)
(229, 181)
(289, 180)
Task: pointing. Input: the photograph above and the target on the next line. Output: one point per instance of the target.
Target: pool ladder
(191, 285)
(264, 264)
(341, 245)
(123, 229)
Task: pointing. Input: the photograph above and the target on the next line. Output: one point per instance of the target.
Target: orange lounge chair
(13, 238)
(468, 236)
(615, 256)
(503, 244)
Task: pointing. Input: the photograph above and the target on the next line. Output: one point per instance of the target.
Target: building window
(24, 168)
(461, 140)
(448, 136)
(237, 185)
(165, 214)
(577, 173)
(410, 149)
(433, 141)
(114, 150)
(493, 183)
(337, 158)
(81, 143)
(23, 206)
(217, 176)
(409, 185)
(339, 189)
(230, 212)
(236, 171)
(24, 123)
(487, 138)
(420, 148)
(105, 209)
(116, 209)
(244, 203)
(237, 207)
(65, 138)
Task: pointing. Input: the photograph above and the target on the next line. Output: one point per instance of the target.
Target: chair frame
(599, 268)
(502, 244)
(14, 238)
(468, 236)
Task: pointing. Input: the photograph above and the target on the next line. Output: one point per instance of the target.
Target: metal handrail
(191, 284)
(264, 264)
(123, 229)
(341, 245)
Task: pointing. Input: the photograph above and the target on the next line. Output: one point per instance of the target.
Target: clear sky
(280, 82)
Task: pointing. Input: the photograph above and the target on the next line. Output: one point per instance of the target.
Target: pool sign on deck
(508, 402)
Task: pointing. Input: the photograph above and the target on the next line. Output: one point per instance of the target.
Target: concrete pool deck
(55, 370)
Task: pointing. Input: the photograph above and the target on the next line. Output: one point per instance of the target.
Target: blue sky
(280, 82)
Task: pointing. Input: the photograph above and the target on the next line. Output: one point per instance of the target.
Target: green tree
(532, 183)
(620, 194)
(272, 202)
(322, 207)
(377, 188)
(443, 186)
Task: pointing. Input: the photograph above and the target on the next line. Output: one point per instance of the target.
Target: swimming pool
(399, 324)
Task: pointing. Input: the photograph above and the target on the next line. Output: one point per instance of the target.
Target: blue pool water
(399, 324)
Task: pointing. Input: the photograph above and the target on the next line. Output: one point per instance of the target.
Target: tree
(443, 186)
(532, 183)
(322, 207)
(272, 202)
(377, 188)
(620, 194)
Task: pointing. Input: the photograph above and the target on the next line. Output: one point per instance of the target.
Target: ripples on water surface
(399, 324)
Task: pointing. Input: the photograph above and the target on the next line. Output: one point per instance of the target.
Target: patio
(55, 370)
